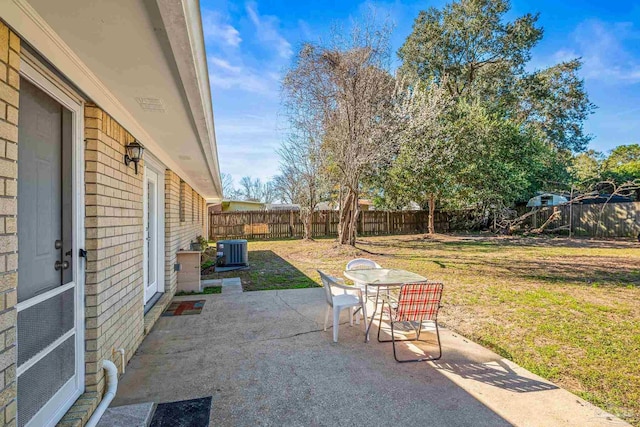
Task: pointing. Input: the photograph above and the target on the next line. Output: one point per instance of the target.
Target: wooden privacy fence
(594, 220)
(283, 224)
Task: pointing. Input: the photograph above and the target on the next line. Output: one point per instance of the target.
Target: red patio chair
(417, 303)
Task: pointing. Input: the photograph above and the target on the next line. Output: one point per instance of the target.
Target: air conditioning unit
(232, 252)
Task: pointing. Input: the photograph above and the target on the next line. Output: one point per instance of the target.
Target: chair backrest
(362, 264)
(326, 284)
(418, 302)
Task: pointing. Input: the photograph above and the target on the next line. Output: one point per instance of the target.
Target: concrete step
(231, 285)
(138, 415)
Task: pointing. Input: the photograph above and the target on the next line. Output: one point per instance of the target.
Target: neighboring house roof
(326, 206)
(412, 206)
(605, 198)
(239, 205)
(251, 202)
(282, 207)
(144, 63)
(330, 206)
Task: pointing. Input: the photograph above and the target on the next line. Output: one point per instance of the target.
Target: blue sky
(250, 44)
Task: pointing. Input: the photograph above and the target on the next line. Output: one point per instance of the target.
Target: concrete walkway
(266, 361)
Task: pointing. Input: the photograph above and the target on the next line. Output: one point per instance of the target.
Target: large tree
(426, 151)
(517, 125)
(623, 164)
(301, 167)
(347, 87)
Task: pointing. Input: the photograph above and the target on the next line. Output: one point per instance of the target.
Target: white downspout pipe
(122, 363)
(110, 393)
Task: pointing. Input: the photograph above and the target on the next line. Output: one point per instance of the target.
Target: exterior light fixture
(134, 154)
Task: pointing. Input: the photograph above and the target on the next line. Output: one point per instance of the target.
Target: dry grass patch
(568, 310)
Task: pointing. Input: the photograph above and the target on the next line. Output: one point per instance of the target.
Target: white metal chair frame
(337, 303)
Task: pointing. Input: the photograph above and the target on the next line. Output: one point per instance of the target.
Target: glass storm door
(151, 234)
(48, 353)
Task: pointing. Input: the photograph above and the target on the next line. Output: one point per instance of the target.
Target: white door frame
(152, 163)
(55, 409)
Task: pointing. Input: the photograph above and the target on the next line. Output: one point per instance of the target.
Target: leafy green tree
(622, 164)
(515, 127)
(427, 152)
(586, 169)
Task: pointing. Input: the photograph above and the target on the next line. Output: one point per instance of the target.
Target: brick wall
(114, 243)
(114, 295)
(9, 86)
(179, 234)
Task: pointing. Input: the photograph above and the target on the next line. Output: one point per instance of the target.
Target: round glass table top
(383, 276)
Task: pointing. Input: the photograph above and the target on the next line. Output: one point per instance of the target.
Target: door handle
(61, 265)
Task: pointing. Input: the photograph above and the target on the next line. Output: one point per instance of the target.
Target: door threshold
(152, 301)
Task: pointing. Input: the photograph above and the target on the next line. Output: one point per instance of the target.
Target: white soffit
(118, 52)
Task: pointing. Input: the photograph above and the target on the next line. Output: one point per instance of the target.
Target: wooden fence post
(327, 221)
(388, 223)
(251, 224)
(290, 223)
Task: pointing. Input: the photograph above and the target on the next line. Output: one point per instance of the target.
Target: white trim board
(153, 163)
(26, 21)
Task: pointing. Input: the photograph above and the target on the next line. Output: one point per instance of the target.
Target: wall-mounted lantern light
(134, 154)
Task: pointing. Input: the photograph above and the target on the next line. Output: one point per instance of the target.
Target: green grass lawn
(568, 310)
(206, 291)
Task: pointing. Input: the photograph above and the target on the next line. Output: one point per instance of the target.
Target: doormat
(182, 308)
(184, 413)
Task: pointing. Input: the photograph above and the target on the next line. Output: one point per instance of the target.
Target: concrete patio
(265, 360)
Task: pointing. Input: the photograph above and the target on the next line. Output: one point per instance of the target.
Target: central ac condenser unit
(232, 252)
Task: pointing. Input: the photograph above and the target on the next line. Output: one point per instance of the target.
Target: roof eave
(183, 24)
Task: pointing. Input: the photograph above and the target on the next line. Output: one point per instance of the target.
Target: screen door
(47, 370)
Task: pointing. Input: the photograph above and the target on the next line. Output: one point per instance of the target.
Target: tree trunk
(432, 211)
(307, 220)
(348, 218)
(308, 226)
(353, 228)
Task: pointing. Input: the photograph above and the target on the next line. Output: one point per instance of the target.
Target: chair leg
(336, 323)
(326, 317)
(439, 343)
(422, 359)
(350, 316)
(364, 313)
(380, 323)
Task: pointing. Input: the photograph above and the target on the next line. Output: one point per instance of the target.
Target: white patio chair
(349, 299)
(362, 264)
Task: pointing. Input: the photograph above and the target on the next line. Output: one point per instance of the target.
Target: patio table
(378, 278)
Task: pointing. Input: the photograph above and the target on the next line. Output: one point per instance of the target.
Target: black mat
(185, 413)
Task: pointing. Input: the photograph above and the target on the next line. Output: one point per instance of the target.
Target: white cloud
(224, 75)
(215, 29)
(603, 51)
(267, 31)
(219, 63)
(247, 81)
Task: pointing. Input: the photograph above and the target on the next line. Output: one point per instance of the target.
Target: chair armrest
(341, 285)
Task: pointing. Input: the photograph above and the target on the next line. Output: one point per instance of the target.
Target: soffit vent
(153, 105)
